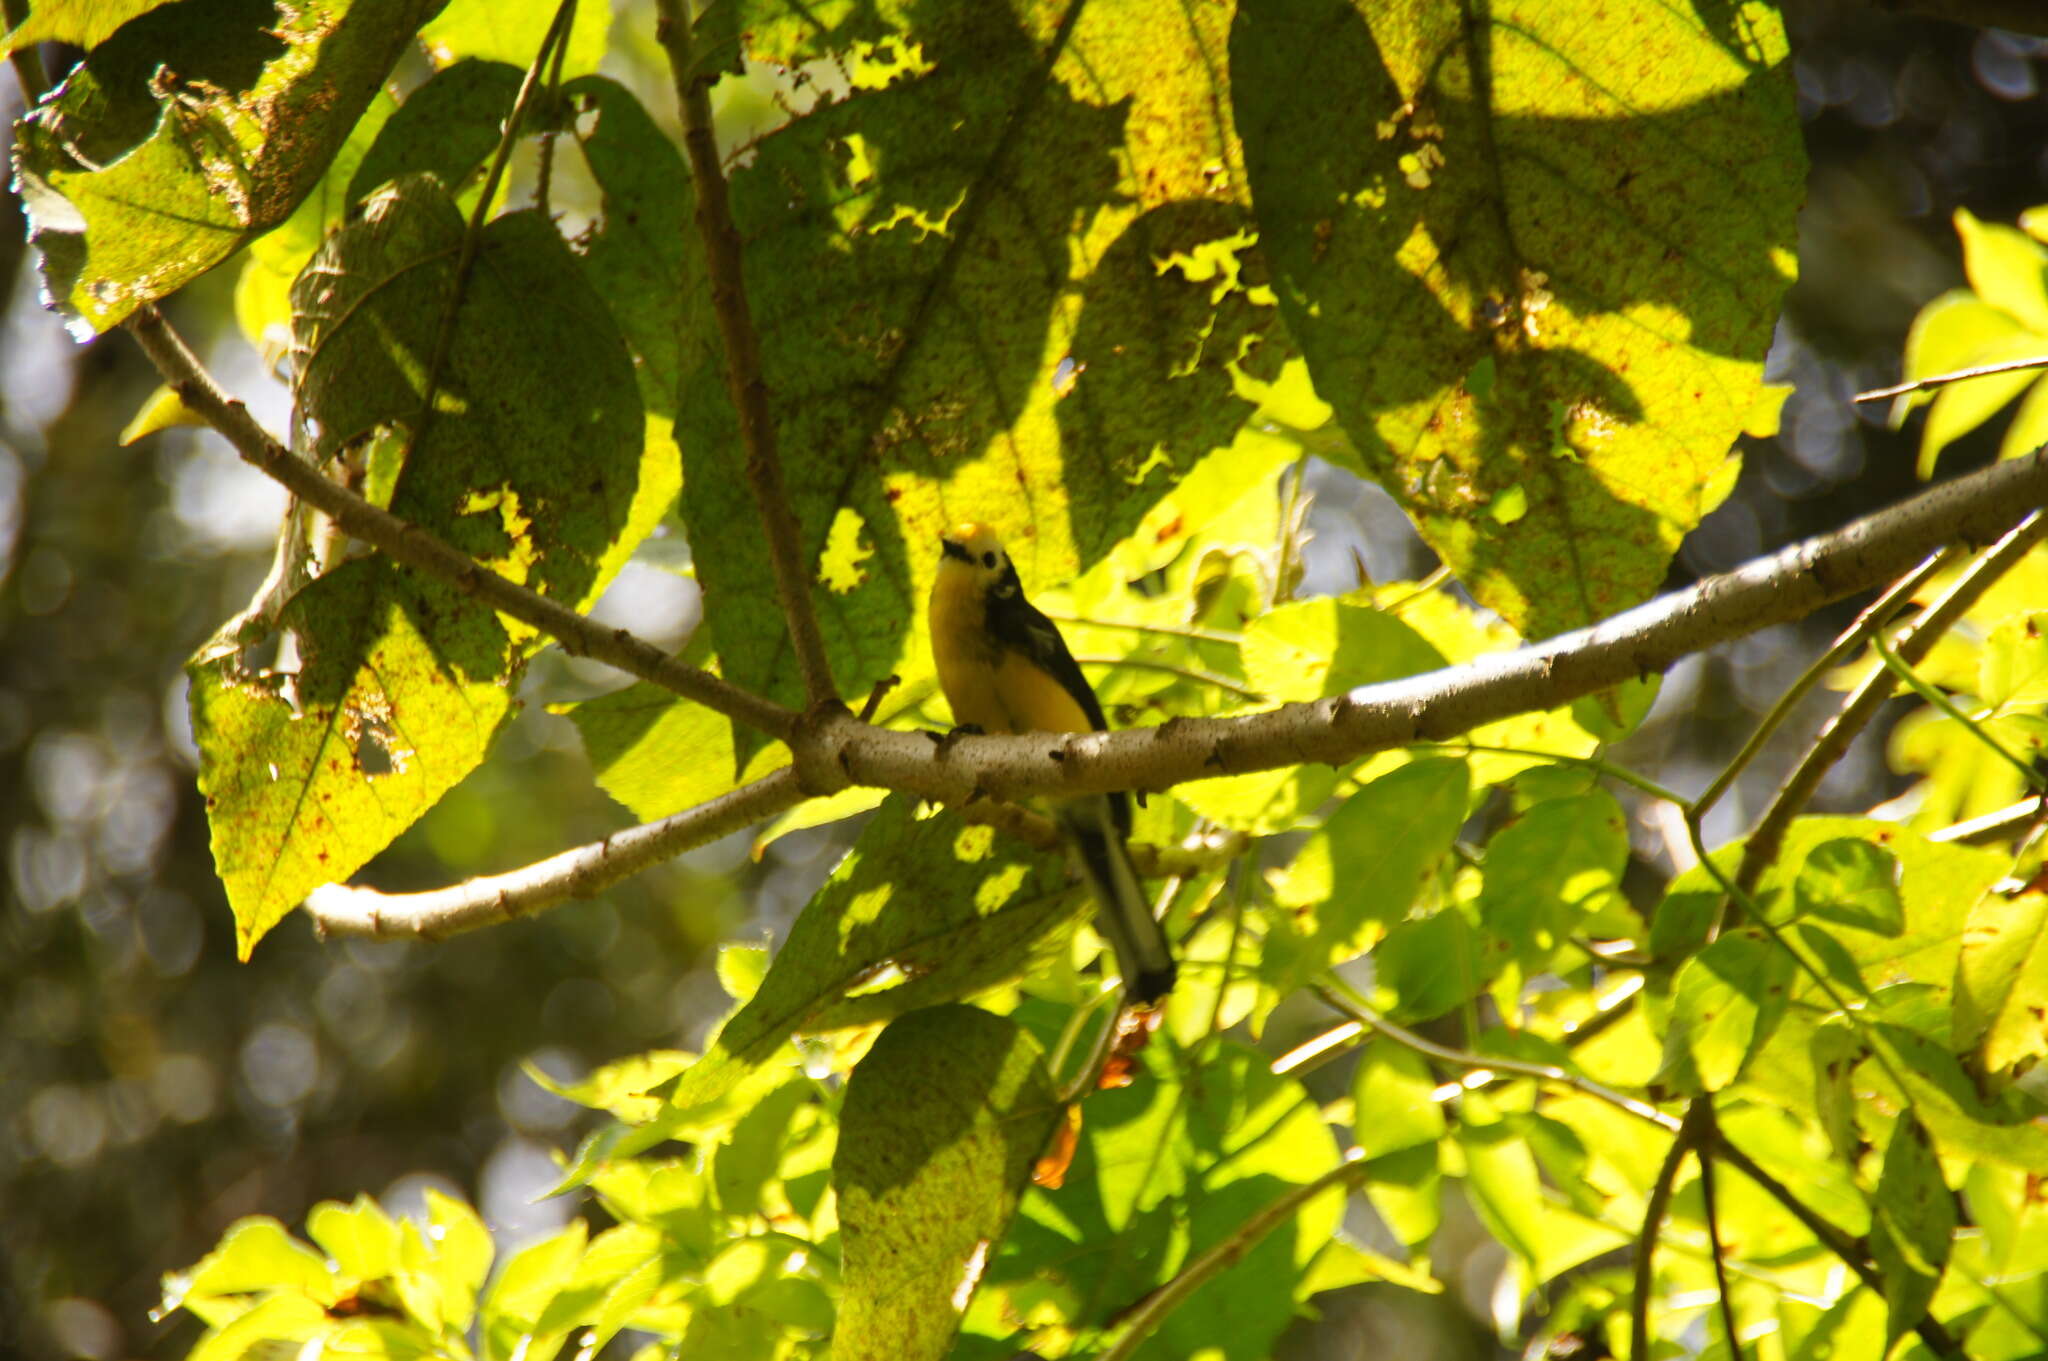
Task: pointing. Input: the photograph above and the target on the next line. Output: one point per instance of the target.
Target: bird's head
(972, 552)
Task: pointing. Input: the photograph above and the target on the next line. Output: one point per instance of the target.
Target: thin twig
(1654, 1209)
(1868, 623)
(1209, 678)
(341, 910)
(1936, 380)
(544, 174)
(1942, 704)
(743, 372)
(1710, 1204)
(1361, 1011)
(415, 547)
(1761, 849)
(2002, 824)
(1199, 635)
(1225, 1254)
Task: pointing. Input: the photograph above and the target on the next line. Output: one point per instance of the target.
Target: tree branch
(341, 910)
(1654, 1209)
(1786, 586)
(415, 547)
(744, 380)
(584, 872)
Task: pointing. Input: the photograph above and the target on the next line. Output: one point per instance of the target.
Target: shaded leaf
(1912, 1228)
(446, 128)
(2001, 996)
(942, 1122)
(924, 910)
(1424, 181)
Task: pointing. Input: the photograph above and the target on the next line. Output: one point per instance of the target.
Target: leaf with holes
(537, 461)
(192, 130)
(1485, 236)
(1007, 278)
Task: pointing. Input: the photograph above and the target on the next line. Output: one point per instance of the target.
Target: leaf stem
(27, 61)
(1937, 700)
(743, 370)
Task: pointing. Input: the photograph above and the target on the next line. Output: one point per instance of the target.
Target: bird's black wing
(1021, 626)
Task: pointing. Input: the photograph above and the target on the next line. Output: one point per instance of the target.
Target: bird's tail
(1122, 914)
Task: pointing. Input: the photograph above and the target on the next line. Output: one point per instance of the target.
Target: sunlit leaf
(2001, 998)
(1424, 184)
(1726, 1001)
(520, 1296)
(1550, 869)
(1313, 648)
(512, 33)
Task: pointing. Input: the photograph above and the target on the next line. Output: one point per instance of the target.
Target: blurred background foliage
(152, 1090)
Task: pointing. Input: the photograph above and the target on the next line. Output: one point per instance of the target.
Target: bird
(1005, 669)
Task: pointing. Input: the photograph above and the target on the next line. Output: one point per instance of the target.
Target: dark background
(152, 1089)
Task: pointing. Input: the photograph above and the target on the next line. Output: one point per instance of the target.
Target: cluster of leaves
(1089, 274)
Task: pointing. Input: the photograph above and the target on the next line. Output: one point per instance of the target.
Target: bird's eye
(988, 559)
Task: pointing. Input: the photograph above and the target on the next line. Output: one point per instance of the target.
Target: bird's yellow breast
(996, 689)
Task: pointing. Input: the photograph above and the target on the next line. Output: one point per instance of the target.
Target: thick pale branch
(743, 373)
(339, 910)
(348, 910)
(1778, 589)
(420, 550)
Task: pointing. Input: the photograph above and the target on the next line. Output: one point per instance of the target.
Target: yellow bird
(1005, 669)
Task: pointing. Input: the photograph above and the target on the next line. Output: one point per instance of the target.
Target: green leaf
(1310, 649)
(1037, 329)
(1374, 858)
(1167, 1168)
(945, 907)
(447, 128)
(1726, 1001)
(2001, 996)
(1435, 191)
(361, 1238)
(751, 1155)
(531, 462)
(82, 23)
(518, 1299)
(1551, 868)
(1853, 882)
(2012, 667)
(641, 252)
(658, 753)
(1615, 713)
(2007, 268)
(495, 31)
(1959, 330)
(1391, 1098)
(1501, 1176)
(1913, 1227)
(942, 1122)
(254, 1256)
(1425, 968)
(192, 130)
